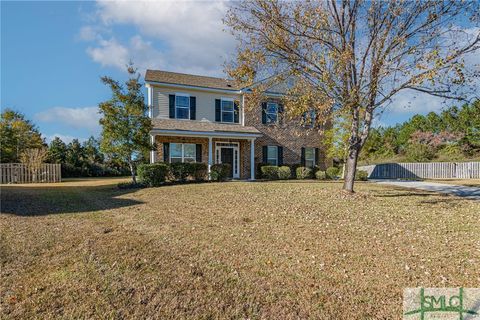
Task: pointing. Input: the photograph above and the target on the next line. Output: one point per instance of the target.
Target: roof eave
(185, 86)
(205, 134)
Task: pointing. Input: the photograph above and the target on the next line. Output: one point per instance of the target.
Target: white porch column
(153, 153)
(252, 159)
(210, 155)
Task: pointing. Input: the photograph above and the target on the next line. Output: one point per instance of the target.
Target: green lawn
(242, 250)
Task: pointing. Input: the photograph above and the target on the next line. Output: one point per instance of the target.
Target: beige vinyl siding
(162, 100)
(205, 102)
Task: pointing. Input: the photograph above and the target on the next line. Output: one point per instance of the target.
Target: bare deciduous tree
(33, 159)
(354, 56)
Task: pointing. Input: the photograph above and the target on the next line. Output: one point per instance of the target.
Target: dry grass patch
(230, 250)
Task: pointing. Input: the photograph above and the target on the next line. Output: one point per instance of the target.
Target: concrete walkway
(461, 191)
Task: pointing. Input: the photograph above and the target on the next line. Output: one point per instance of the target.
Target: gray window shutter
(264, 154)
(193, 108)
(236, 112)
(218, 110)
(317, 155)
(280, 155)
(199, 152)
(171, 106)
(302, 157)
(264, 112)
(166, 152)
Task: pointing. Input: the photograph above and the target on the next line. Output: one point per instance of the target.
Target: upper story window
(309, 118)
(272, 155)
(271, 112)
(183, 152)
(309, 157)
(182, 106)
(227, 110)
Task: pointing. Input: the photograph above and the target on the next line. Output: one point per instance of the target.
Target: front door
(229, 152)
(226, 156)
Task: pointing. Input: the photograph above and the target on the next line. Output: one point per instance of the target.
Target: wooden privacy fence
(22, 173)
(428, 170)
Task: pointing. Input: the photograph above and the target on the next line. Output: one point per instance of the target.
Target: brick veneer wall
(162, 139)
(288, 133)
(244, 149)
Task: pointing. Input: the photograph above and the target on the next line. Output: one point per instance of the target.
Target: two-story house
(205, 119)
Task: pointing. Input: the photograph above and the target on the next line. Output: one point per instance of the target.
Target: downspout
(243, 108)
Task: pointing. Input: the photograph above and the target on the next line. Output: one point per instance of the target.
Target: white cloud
(78, 118)
(88, 33)
(113, 54)
(190, 35)
(410, 101)
(65, 138)
(109, 53)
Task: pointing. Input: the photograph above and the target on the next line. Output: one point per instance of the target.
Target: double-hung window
(182, 152)
(272, 155)
(309, 157)
(271, 112)
(227, 110)
(182, 106)
(311, 118)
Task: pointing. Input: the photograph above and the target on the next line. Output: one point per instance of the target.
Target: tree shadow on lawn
(40, 201)
(435, 197)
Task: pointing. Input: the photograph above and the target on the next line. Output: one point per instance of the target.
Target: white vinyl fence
(22, 173)
(427, 170)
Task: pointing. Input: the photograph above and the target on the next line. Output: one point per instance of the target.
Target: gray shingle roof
(202, 126)
(190, 80)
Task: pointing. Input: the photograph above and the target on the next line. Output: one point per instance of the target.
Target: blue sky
(54, 53)
(44, 66)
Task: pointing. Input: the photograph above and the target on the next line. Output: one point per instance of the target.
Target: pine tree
(92, 152)
(57, 151)
(75, 154)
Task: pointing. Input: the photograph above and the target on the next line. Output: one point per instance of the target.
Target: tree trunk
(355, 144)
(132, 171)
(351, 168)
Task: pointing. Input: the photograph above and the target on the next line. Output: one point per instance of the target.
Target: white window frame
(271, 113)
(221, 109)
(236, 155)
(183, 152)
(276, 156)
(312, 159)
(176, 106)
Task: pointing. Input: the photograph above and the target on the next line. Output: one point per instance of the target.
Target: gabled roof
(190, 80)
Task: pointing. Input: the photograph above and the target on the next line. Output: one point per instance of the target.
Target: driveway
(461, 191)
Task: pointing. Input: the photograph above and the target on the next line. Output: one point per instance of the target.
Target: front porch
(213, 144)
